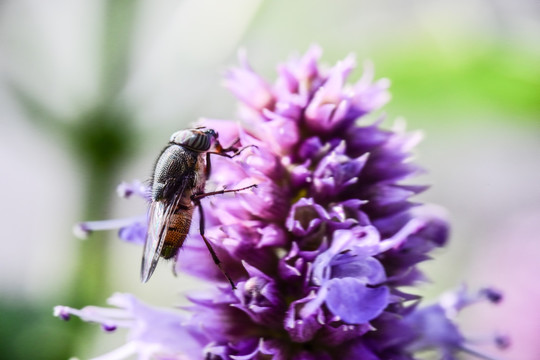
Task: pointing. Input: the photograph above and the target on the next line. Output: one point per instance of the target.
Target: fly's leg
(196, 198)
(220, 149)
(209, 246)
(228, 152)
(197, 201)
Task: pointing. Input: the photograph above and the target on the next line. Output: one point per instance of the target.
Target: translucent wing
(158, 224)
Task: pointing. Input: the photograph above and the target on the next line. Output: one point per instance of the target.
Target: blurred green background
(90, 90)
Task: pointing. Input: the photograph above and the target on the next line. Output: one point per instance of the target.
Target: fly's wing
(158, 224)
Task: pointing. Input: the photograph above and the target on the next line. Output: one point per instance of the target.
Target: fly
(177, 187)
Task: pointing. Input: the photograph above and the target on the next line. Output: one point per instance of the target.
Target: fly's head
(198, 140)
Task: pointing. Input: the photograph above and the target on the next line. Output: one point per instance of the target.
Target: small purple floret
(108, 328)
(62, 312)
(493, 295)
(134, 232)
(136, 187)
(82, 230)
(503, 341)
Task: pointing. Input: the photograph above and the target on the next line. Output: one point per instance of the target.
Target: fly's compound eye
(212, 133)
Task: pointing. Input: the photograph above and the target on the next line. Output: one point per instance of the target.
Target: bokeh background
(90, 90)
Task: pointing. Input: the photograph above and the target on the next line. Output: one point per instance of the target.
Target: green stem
(102, 139)
(92, 255)
(90, 283)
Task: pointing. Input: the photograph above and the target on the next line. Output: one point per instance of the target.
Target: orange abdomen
(177, 231)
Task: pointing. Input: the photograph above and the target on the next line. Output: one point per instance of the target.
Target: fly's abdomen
(179, 224)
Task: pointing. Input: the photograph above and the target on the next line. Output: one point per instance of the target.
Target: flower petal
(367, 270)
(353, 302)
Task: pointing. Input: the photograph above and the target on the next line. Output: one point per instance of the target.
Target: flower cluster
(320, 250)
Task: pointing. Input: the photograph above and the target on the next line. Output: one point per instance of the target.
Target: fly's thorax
(198, 140)
(175, 171)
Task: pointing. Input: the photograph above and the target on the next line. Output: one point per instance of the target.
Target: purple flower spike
(320, 252)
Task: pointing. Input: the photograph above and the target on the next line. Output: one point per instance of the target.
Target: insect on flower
(330, 244)
(177, 187)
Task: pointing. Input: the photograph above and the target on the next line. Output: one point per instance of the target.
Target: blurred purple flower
(432, 327)
(322, 247)
(154, 333)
